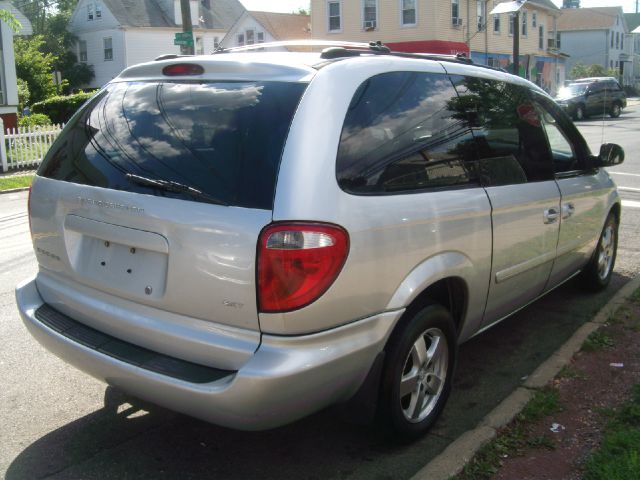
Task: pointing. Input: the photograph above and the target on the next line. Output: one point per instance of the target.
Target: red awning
(430, 46)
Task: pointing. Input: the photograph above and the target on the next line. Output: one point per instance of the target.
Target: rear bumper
(286, 379)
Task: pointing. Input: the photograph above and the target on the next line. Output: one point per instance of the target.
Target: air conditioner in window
(456, 22)
(369, 25)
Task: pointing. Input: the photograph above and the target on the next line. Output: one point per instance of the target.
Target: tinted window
(223, 139)
(400, 135)
(568, 148)
(511, 142)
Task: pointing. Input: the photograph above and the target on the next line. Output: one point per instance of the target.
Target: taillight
(297, 263)
(182, 69)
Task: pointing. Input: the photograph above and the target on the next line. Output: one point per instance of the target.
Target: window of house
(558, 40)
(240, 39)
(260, 36)
(89, 11)
(523, 29)
(622, 41)
(512, 19)
(216, 42)
(481, 10)
(199, 46)
(369, 14)
(534, 19)
(335, 17)
(98, 10)
(108, 48)
(541, 37)
(82, 50)
(403, 133)
(611, 33)
(250, 37)
(455, 10)
(496, 24)
(617, 39)
(409, 16)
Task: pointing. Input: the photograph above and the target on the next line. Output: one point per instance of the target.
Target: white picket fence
(25, 147)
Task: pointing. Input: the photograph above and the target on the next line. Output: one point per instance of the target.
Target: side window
(401, 134)
(569, 151)
(510, 140)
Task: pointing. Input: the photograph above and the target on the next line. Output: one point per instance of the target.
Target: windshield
(572, 90)
(222, 139)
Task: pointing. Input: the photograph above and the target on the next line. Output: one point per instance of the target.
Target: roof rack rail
(294, 43)
(340, 49)
(169, 56)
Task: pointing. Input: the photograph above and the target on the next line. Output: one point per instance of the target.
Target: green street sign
(184, 36)
(188, 43)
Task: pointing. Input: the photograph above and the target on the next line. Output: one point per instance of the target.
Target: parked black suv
(589, 96)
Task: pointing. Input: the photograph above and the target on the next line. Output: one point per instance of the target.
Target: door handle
(551, 215)
(567, 210)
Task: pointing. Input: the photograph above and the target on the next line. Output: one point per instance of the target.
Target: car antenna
(604, 112)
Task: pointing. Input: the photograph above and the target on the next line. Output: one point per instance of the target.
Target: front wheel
(418, 372)
(597, 274)
(615, 110)
(579, 113)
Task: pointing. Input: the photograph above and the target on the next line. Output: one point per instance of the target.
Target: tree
(35, 67)
(579, 70)
(7, 17)
(50, 19)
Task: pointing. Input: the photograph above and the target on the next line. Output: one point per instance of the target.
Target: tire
(579, 113)
(418, 371)
(597, 274)
(615, 110)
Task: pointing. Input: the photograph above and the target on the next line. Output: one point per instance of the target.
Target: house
(115, 34)
(633, 24)
(449, 27)
(260, 27)
(8, 79)
(597, 36)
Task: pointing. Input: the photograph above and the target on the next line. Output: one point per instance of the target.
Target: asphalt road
(56, 422)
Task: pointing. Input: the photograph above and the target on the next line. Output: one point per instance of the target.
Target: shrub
(33, 120)
(61, 108)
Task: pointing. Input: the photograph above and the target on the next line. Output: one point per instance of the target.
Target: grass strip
(618, 457)
(9, 183)
(515, 438)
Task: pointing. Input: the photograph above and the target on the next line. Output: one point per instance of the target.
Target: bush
(33, 120)
(61, 108)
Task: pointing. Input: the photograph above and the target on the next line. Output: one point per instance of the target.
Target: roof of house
(545, 4)
(597, 18)
(26, 28)
(284, 26)
(633, 20)
(150, 13)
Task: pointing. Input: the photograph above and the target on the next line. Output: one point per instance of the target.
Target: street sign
(183, 38)
(187, 43)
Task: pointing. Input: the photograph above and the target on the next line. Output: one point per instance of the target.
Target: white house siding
(104, 70)
(246, 22)
(145, 44)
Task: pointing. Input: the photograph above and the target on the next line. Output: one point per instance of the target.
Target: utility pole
(187, 28)
(516, 42)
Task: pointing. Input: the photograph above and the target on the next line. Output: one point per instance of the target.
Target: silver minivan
(250, 237)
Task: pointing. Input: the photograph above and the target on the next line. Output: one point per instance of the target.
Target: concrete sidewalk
(453, 459)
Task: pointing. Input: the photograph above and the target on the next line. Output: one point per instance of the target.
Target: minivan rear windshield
(217, 142)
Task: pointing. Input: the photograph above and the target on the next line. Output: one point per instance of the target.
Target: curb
(14, 190)
(459, 452)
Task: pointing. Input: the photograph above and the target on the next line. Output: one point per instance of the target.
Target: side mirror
(611, 155)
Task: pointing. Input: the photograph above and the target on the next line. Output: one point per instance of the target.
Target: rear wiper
(177, 187)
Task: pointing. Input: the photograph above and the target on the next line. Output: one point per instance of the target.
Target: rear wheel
(418, 370)
(597, 274)
(615, 110)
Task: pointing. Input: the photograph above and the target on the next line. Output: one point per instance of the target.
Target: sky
(289, 6)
